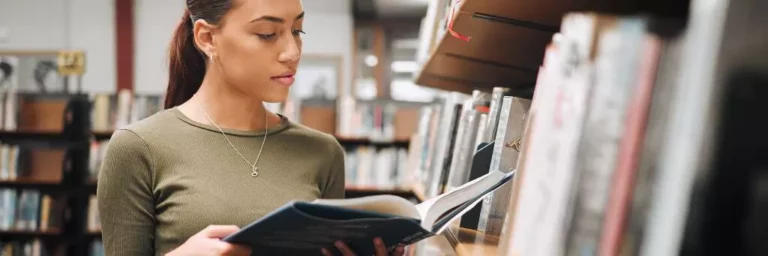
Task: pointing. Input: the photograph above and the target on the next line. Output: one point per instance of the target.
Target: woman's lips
(284, 80)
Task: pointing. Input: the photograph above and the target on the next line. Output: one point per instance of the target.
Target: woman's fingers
(344, 249)
(326, 252)
(399, 251)
(381, 249)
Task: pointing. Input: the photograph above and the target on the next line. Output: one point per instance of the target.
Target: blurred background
(635, 127)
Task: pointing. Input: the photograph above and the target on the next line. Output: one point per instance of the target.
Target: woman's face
(258, 46)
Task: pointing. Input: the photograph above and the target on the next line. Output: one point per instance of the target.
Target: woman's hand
(208, 242)
(381, 249)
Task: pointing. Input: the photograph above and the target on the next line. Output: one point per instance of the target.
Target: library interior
(429, 127)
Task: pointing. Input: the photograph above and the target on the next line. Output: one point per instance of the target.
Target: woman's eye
(266, 36)
(298, 32)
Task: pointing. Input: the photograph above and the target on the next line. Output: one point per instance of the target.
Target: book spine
(495, 112)
(506, 151)
(629, 149)
(617, 61)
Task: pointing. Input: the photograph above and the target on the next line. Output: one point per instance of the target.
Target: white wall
(328, 24)
(65, 24)
(90, 25)
(154, 22)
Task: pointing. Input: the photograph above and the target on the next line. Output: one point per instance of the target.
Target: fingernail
(338, 244)
(400, 249)
(378, 241)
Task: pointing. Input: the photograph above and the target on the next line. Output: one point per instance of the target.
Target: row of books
(9, 162)
(583, 141)
(111, 111)
(30, 210)
(38, 164)
(97, 153)
(366, 120)
(449, 133)
(35, 247)
(93, 221)
(584, 149)
(433, 26)
(372, 167)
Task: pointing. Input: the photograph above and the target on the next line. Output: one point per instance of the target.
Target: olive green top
(167, 177)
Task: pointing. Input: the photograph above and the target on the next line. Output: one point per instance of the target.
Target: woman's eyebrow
(276, 19)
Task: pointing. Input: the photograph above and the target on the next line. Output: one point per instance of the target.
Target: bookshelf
(507, 40)
(44, 182)
(527, 47)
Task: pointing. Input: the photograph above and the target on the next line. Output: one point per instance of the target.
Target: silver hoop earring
(211, 58)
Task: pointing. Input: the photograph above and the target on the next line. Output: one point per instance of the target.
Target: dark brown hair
(186, 66)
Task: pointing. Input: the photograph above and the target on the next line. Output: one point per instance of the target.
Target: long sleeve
(126, 204)
(334, 186)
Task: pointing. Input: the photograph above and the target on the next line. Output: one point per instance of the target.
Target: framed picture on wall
(9, 72)
(33, 71)
(318, 77)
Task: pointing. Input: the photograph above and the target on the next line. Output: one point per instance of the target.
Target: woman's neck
(226, 107)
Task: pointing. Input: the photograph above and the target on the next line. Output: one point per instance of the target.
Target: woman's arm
(335, 178)
(126, 204)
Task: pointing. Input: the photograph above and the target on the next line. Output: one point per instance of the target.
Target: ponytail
(186, 66)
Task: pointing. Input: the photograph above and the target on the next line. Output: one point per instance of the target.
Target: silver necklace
(254, 168)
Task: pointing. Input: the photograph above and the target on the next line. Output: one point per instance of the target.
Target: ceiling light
(371, 60)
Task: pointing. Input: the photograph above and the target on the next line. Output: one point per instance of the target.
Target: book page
(432, 209)
(388, 204)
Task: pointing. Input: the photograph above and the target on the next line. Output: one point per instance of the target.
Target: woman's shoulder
(151, 126)
(310, 137)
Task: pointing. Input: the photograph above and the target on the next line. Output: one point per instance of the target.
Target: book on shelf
(31, 210)
(93, 223)
(511, 124)
(545, 195)
(582, 184)
(369, 166)
(307, 227)
(112, 111)
(33, 247)
(446, 140)
(41, 165)
(98, 150)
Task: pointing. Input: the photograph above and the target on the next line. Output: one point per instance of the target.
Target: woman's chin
(274, 97)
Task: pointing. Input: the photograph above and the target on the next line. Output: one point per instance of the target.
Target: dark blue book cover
(301, 228)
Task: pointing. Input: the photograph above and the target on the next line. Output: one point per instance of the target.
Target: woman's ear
(203, 34)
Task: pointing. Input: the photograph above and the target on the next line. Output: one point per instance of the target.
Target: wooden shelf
(508, 40)
(368, 142)
(102, 135)
(27, 183)
(471, 242)
(23, 233)
(30, 181)
(465, 243)
(506, 47)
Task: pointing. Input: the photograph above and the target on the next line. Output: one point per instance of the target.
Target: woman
(215, 160)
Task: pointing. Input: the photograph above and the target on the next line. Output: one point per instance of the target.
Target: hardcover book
(304, 228)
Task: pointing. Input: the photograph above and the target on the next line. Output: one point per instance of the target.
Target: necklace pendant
(255, 171)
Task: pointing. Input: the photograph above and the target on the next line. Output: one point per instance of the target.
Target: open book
(303, 228)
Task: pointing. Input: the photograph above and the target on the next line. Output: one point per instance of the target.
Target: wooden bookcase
(66, 181)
